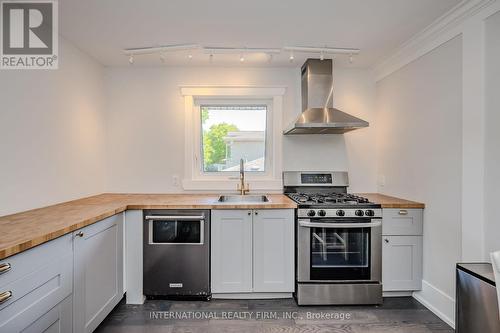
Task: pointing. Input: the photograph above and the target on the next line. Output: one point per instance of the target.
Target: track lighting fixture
(161, 50)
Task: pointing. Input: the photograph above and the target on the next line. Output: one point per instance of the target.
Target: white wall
(420, 151)
(52, 133)
(146, 124)
(492, 151)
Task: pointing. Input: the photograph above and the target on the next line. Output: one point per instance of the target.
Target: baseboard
(134, 299)
(252, 295)
(437, 301)
(397, 293)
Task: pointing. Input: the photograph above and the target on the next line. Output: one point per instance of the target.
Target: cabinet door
(402, 263)
(231, 251)
(98, 272)
(273, 250)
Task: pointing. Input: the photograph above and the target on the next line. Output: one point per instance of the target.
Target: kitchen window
(226, 124)
(230, 133)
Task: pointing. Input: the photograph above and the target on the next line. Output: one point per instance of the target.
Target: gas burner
(327, 199)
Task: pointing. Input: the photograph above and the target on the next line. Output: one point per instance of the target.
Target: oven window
(176, 232)
(340, 253)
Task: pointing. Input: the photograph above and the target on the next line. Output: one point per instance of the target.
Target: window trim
(194, 178)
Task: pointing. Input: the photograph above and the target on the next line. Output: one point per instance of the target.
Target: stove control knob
(322, 213)
(370, 212)
(359, 212)
(340, 212)
(311, 213)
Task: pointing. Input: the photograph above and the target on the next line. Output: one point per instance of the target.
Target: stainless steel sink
(243, 198)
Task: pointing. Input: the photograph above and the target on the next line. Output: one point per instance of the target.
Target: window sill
(231, 185)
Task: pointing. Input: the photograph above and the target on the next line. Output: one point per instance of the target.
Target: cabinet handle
(5, 296)
(386, 240)
(5, 267)
(249, 212)
(403, 212)
(80, 234)
(256, 213)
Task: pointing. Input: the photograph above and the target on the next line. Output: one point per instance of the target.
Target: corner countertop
(391, 202)
(25, 230)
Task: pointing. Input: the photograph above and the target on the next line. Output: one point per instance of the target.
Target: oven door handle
(173, 218)
(303, 223)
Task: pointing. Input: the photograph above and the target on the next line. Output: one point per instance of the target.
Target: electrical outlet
(175, 180)
(381, 180)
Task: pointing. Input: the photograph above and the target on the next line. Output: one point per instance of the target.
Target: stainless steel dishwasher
(177, 253)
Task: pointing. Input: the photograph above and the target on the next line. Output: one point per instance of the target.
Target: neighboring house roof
(257, 164)
(241, 136)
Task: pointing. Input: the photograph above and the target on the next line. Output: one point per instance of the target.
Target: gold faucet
(241, 186)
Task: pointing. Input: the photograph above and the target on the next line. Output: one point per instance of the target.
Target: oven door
(339, 249)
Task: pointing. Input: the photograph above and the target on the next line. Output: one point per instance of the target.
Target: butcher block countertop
(391, 202)
(22, 231)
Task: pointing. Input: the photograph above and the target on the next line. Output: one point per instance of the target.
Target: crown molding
(440, 31)
(222, 90)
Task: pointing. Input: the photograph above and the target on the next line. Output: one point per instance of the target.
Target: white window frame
(194, 177)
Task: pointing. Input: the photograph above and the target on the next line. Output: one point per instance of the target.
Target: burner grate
(328, 198)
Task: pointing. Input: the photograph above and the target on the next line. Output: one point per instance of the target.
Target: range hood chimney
(318, 114)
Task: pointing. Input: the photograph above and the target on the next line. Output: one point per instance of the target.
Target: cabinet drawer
(402, 222)
(33, 259)
(56, 320)
(36, 292)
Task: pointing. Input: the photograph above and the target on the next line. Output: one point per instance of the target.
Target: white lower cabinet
(39, 283)
(252, 251)
(273, 250)
(69, 284)
(402, 251)
(402, 263)
(231, 251)
(98, 272)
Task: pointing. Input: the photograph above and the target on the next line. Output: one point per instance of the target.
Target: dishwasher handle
(174, 218)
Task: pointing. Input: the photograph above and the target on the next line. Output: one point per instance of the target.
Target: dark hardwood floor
(396, 315)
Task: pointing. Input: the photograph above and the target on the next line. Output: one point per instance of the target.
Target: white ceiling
(102, 28)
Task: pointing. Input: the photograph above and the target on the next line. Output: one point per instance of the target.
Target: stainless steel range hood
(318, 115)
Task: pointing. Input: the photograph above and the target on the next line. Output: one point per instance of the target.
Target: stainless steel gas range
(339, 241)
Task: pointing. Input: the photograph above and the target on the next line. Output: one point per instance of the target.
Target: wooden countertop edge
(384, 200)
(51, 235)
(46, 237)
(387, 201)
